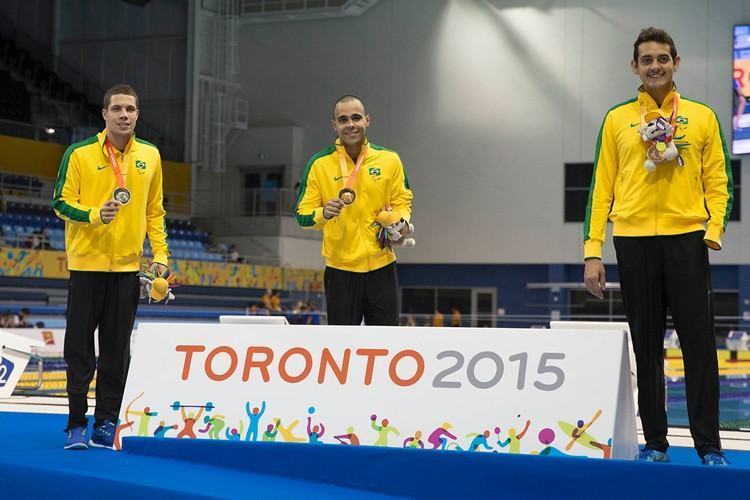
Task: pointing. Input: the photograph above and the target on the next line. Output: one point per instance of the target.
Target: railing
(55, 134)
(24, 189)
(248, 203)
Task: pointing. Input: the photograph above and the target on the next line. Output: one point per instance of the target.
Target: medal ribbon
(672, 117)
(351, 177)
(115, 166)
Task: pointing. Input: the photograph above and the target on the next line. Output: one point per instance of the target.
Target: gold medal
(655, 155)
(661, 147)
(347, 196)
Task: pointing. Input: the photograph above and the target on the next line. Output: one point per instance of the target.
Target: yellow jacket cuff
(712, 238)
(592, 248)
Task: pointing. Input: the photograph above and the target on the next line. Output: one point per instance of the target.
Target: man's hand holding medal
(109, 210)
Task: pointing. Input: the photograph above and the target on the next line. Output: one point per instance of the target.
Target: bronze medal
(347, 196)
(655, 155)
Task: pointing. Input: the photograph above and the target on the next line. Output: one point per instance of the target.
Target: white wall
(485, 101)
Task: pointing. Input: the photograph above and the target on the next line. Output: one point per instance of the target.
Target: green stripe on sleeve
(727, 163)
(307, 220)
(728, 169)
(71, 212)
(63, 170)
(587, 219)
(303, 182)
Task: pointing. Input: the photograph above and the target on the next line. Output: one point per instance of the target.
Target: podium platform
(33, 464)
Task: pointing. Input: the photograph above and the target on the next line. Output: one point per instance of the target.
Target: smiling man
(109, 193)
(343, 189)
(665, 216)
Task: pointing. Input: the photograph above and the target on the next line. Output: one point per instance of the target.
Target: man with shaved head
(343, 189)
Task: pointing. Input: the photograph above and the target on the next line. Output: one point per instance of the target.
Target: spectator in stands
(9, 320)
(313, 315)
(38, 240)
(276, 302)
(234, 254)
(266, 299)
(299, 314)
(252, 310)
(438, 319)
(109, 193)
(23, 319)
(455, 317)
(335, 197)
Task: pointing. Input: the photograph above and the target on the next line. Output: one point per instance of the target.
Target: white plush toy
(659, 133)
(391, 230)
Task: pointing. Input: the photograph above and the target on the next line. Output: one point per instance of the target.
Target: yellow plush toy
(157, 288)
(394, 229)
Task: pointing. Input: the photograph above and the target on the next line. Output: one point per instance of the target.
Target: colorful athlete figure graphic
(606, 448)
(254, 414)
(128, 424)
(163, 428)
(214, 425)
(287, 433)
(516, 437)
(578, 433)
(439, 437)
(477, 440)
(350, 438)
(547, 437)
(235, 434)
(189, 420)
(414, 441)
(316, 432)
(145, 419)
(271, 431)
(383, 430)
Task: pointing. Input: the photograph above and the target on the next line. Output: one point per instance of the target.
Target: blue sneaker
(76, 439)
(103, 435)
(715, 458)
(649, 455)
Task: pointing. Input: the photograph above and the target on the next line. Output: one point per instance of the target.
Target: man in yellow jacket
(342, 191)
(665, 216)
(109, 193)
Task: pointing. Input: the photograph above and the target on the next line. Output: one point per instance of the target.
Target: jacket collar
(102, 137)
(340, 147)
(645, 99)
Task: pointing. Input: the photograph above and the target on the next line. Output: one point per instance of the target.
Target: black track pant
(109, 301)
(352, 296)
(672, 272)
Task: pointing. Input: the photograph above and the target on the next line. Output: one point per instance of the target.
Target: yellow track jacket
(85, 181)
(671, 199)
(349, 240)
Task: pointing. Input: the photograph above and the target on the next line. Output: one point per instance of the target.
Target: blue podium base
(34, 465)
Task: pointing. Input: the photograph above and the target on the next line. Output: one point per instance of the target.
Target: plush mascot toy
(157, 288)
(393, 230)
(658, 133)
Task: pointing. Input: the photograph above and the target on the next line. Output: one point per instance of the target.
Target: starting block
(15, 352)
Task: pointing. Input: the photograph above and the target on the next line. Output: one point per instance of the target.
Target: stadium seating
(23, 219)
